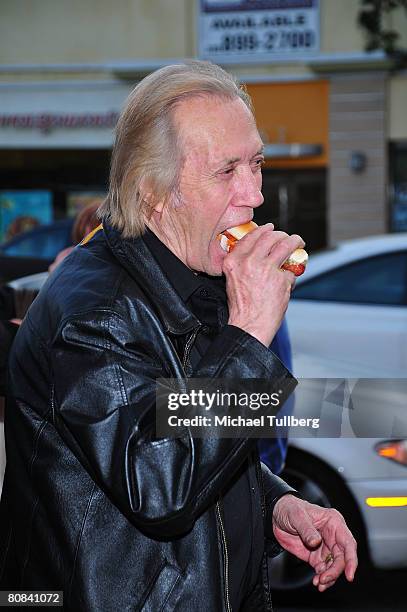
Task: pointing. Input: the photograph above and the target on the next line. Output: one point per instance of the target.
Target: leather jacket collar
(135, 256)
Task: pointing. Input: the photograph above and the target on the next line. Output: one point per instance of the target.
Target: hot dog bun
(295, 263)
(229, 237)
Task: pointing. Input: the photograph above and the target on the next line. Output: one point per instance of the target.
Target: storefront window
(41, 186)
(23, 210)
(295, 201)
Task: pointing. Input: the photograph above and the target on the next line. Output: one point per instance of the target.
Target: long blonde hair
(147, 148)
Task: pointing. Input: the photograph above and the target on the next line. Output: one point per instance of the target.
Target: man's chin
(217, 272)
(217, 255)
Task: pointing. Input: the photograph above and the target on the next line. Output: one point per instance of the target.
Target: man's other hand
(318, 536)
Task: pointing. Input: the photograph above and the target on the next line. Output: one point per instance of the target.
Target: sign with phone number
(257, 30)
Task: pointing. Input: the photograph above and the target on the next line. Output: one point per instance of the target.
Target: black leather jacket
(92, 504)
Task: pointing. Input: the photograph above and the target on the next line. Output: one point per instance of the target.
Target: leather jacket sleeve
(104, 371)
(274, 489)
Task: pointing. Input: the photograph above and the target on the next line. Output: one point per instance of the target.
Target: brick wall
(357, 122)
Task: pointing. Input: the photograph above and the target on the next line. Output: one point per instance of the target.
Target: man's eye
(258, 163)
(228, 171)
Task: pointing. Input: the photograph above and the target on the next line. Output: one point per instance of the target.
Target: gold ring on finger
(329, 558)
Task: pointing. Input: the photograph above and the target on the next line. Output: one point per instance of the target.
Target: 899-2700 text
(281, 40)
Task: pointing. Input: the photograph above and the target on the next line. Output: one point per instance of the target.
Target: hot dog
(295, 263)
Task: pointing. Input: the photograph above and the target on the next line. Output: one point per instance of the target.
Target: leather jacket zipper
(225, 557)
(188, 347)
(186, 366)
(260, 480)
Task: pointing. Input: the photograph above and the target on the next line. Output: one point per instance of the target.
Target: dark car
(33, 251)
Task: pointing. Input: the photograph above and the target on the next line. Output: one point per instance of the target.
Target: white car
(348, 319)
(350, 308)
(363, 477)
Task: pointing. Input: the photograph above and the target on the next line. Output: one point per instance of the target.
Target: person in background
(13, 306)
(86, 221)
(273, 451)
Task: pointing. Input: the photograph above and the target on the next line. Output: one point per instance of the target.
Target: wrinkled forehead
(215, 127)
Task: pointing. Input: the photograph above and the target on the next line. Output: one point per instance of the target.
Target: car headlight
(396, 450)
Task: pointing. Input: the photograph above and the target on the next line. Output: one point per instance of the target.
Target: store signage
(257, 30)
(46, 122)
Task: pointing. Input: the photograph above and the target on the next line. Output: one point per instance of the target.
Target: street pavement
(379, 591)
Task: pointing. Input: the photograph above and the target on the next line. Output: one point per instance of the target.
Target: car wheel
(318, 484)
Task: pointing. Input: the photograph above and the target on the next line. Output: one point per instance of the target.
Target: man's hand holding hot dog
(258, 289)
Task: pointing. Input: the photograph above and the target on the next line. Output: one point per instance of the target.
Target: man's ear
(157, 207)
(147, 194)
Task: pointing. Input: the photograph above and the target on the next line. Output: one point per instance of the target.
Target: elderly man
(94, 504)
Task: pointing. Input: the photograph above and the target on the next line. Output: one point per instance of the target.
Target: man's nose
(249, 189)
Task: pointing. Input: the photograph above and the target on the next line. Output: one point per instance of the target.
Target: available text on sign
(257, 30)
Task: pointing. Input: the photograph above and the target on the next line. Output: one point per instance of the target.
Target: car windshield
(380, 279)
(41, 243)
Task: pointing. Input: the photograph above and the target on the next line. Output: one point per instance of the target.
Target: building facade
(333, 117)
